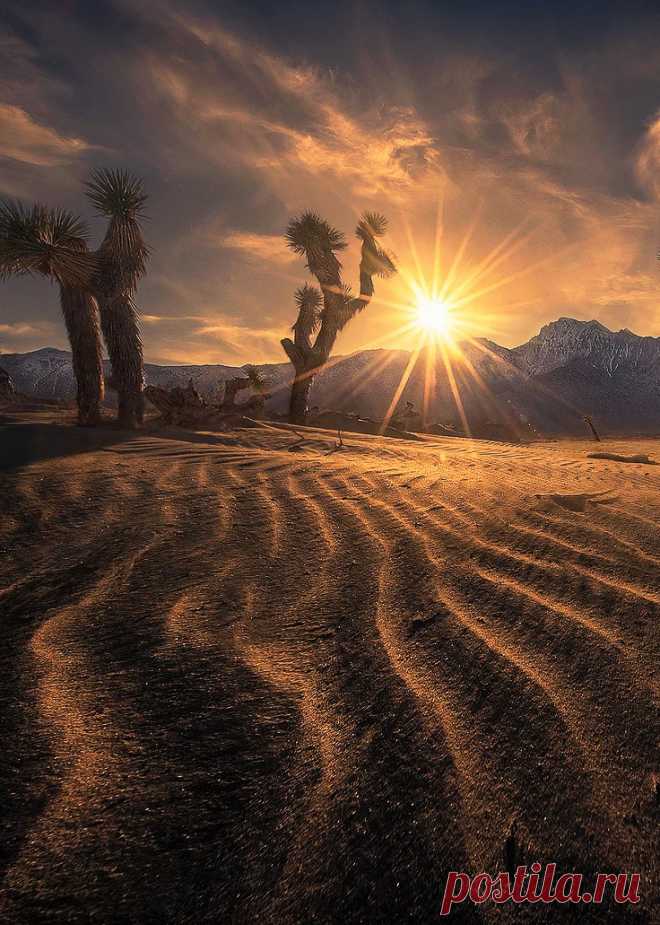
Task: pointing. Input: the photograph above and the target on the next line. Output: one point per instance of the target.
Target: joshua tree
(121, 261)
(232, 388)
(257, 403)
(326, 312)
(51, 242)
(254, 380)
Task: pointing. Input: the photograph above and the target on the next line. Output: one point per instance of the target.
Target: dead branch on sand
(592, 427)
(615, 457)
(186, 407)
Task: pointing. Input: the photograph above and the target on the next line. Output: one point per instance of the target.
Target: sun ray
(496, 256)
(402, 384)
(429, 379)
(415, 255)
(363, 378)
(439, 220)
(538, 386)
(467, 300)
(458, 257)
(332, 361)
(454, 388)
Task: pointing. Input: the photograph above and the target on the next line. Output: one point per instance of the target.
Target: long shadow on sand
(24, 443)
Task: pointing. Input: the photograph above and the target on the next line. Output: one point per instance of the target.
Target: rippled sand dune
(247, 683)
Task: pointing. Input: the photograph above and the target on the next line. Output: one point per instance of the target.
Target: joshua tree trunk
(81, 318)
(119, 324)
(305, 361)
(300, 389)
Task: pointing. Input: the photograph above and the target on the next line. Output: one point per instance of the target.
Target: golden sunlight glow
(434, 315)
(442, 309)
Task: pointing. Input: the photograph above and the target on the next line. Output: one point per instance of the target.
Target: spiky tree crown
(257, 381)
(20, 234)
(66, 229)
(308, 297)
(373, 224)
(123, 253)
(34, 239)
(376, 261)
(116, 193)
(309, 301)
(313, 237)
(309, 232)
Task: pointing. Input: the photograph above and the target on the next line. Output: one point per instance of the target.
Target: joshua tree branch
(294, 353)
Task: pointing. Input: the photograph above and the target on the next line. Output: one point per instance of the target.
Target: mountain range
(568, 370)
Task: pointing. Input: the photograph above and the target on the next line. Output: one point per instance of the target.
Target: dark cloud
(537, 117)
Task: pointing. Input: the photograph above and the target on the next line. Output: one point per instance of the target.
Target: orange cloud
(262, 247)
(648, 159)
(23, 139)
(384, 151)
(19, 329)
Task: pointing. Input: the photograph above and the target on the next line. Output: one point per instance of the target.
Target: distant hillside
(571, 368)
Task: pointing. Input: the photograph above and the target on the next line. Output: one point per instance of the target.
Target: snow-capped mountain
(567, 339)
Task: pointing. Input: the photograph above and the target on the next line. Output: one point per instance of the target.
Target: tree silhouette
(121, 261)
(52, 243)
(326, 311)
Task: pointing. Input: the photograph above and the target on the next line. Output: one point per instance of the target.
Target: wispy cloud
(261, 247)
(18, 336)
(19, 329)
(26, 140)
(648, 159)
(286, 119)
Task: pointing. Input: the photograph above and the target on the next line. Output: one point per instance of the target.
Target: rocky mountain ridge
(569, 369)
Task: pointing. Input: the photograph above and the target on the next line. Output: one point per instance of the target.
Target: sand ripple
(241, 684)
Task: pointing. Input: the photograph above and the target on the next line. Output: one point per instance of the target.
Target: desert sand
(244, 682)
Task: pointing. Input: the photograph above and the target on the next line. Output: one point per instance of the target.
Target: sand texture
(247, 681)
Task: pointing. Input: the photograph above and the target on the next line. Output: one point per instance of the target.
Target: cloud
(285, 120)
(23, 139)
(19, 336)
(648, 158)
(19, 329)
(214, 340)
(535, 129)
(260, 247)
(210, 338)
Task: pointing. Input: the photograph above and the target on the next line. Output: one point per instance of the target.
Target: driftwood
(615, 457)
(187, 408)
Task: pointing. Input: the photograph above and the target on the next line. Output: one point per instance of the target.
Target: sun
(434, 315)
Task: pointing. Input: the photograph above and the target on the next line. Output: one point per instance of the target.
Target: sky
(514, 148)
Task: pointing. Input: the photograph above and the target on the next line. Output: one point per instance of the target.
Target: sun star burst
(434, 316)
